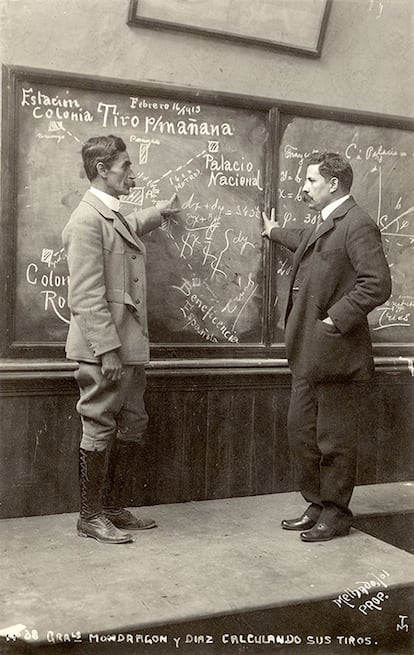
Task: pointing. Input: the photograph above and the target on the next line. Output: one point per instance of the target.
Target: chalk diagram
(397, 232)
(374, 165)
(206, 249)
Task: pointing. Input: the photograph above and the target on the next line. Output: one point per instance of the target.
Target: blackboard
(216, 288)
(205, 267)
(382, 158)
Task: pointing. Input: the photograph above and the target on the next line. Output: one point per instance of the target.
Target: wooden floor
(210, 560)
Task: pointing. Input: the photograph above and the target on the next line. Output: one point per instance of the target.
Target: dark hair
(332, 164)
(103, 149)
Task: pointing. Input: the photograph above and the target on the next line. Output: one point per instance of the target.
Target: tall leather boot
(119, 463)
(92, 522)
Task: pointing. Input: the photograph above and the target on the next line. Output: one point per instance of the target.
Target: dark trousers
(323, 443)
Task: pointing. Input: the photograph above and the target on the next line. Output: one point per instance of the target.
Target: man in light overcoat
(108, 335)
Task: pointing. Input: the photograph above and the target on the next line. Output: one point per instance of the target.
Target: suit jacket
(107, 283)
(345, 276)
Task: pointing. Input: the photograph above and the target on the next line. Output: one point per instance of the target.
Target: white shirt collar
(327, 211)
(110, 201)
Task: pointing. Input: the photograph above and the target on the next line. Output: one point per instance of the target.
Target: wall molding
(53, 377)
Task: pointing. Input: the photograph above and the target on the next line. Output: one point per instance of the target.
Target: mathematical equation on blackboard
(205, 265)
(383, 165)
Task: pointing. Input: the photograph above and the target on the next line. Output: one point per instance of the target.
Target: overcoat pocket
(334, 356)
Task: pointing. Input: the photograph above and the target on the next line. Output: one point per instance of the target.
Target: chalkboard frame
(12, 77)
(266, 350)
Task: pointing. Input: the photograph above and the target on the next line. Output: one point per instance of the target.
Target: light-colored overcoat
(107, 282)
(342, 273)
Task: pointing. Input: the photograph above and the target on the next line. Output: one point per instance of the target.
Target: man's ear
(334, 184)
(101, 169)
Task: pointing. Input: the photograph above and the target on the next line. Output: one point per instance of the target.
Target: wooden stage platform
(215, 577)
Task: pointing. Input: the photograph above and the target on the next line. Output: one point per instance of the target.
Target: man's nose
(131, 174)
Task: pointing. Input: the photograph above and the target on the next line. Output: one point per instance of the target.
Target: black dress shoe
(322, 532)
(100, 528)
(304, 522)
(125, 520)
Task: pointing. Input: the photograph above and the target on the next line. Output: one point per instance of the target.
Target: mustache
(305, 197)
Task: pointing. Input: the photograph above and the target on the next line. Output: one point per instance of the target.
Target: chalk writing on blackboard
(204, 266)
(383, 164)
(208, 267)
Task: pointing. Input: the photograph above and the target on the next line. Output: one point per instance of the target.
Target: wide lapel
(126, 234)
(323, 229)
(328, 224)
(107, 213)
(298, 256)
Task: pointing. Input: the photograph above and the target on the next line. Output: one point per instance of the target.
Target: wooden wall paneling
(404, 432)
(283, 466)
(385, 435)
(240, 424)
(210, 436)
(139, 476)
(263, 441)
(218, 455)
(169, 417)
(366, 424)
(54, 435)
(38, 455)
(395, 448)
(230, 443)
(193, 472)
(15, 460)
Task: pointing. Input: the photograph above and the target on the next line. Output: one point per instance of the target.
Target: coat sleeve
(145, 221)
(83, 243)
(288, 237)
(372, 285)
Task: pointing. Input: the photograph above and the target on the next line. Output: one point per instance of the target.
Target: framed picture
(294, 25)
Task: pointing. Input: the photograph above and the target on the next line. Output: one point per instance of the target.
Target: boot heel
(81, 533)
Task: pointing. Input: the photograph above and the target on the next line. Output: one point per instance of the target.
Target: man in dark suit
(108, 335)
(339, 275)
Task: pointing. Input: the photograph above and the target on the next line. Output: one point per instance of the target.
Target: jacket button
(136, 279)
(137, 301)
(133, 257)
